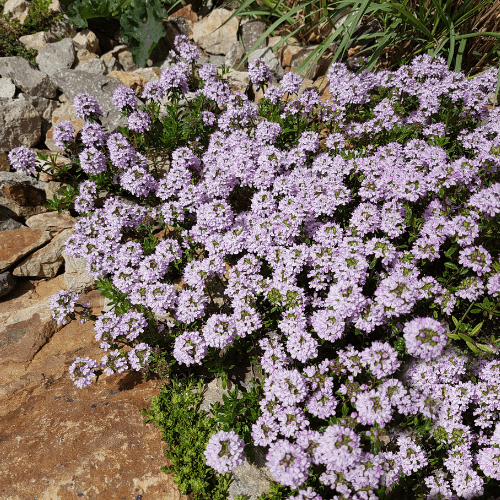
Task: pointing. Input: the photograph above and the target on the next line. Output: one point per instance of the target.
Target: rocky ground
(58, 441)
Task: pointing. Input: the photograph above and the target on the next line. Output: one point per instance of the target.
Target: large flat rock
(58, 441)
(17, 243)
(20, 124)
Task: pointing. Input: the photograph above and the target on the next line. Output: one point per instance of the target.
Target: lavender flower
(86, 107)
(93, 134)
(63, 134)
(189, 348)
(139, 121)
(92, 161)
(62, 304)
(82, 371)
(259, 73)
(224, 451)
(124, 98)
(425, 338)
(138, 357)
(114, 362)
(288, 463)
(291, 82)
(23, 159)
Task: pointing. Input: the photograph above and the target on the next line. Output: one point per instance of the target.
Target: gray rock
(239, 81)
(250, 480)
(8, 224)
(94, 66)
(212, 393)
(217, 61)
(73, 82)
(26, 78)
(20, 124)
(45, 107)
(7, 88)
(7, 283)
(234, 57)
(271, 59)
(250, 34)
(212, 35)
(88, 39)
(126, 60)
(55, 56)
(76, 276)
(62, 28)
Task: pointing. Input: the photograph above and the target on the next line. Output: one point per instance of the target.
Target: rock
(26, 323)
(323, 86)
(53, 188)
(83, 56)
(55, 56)
(212, 393)
(234, 57)
(20, 124)
(88, 40)
(272, 42)
(37, 40)
(239, 81)
(45, 108)
(7, 283)
(94, 441)
(289, 52)
(126, 60)
(249, 480)
(76, 277)
(18, 243)
(250, 34)
(7, 88)
(46, 262)
(64, 112)
(187, 12)
(4, 161)
(271, 59)
(55, 6)
(52, 222)
(27, 79)
(62, 28)
(177, 26)
(18, 8)
(94, 66)
(293, 58)
(217, 61)
(21, 195)
(7, 223)
(133, 80)
(149, 74)
(111, 61)
(73, 82)
(211, 36)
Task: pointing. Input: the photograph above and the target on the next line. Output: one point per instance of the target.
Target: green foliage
(436, 27)
(141, 22)
(40, 18)
(186, 432)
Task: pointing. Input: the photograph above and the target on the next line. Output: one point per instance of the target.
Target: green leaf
(476, 329)
(450, 265)
(472, 347)
(142, 29)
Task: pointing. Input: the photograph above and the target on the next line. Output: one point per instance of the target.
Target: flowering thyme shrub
(338, 240)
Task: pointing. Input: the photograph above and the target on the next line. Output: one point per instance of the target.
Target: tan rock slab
(26, 322)
(16, 244)
(52, 222)
(37, 40)
(58, 441)
(88, 40)
(133, 80)
(211, 36)
(46, 262)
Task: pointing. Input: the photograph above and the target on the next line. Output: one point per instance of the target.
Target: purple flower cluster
(23, 159)
(224, 451)
(339, 241)
(63, 134)
(62, 304)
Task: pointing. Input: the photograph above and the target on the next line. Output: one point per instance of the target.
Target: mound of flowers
(351, 245)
